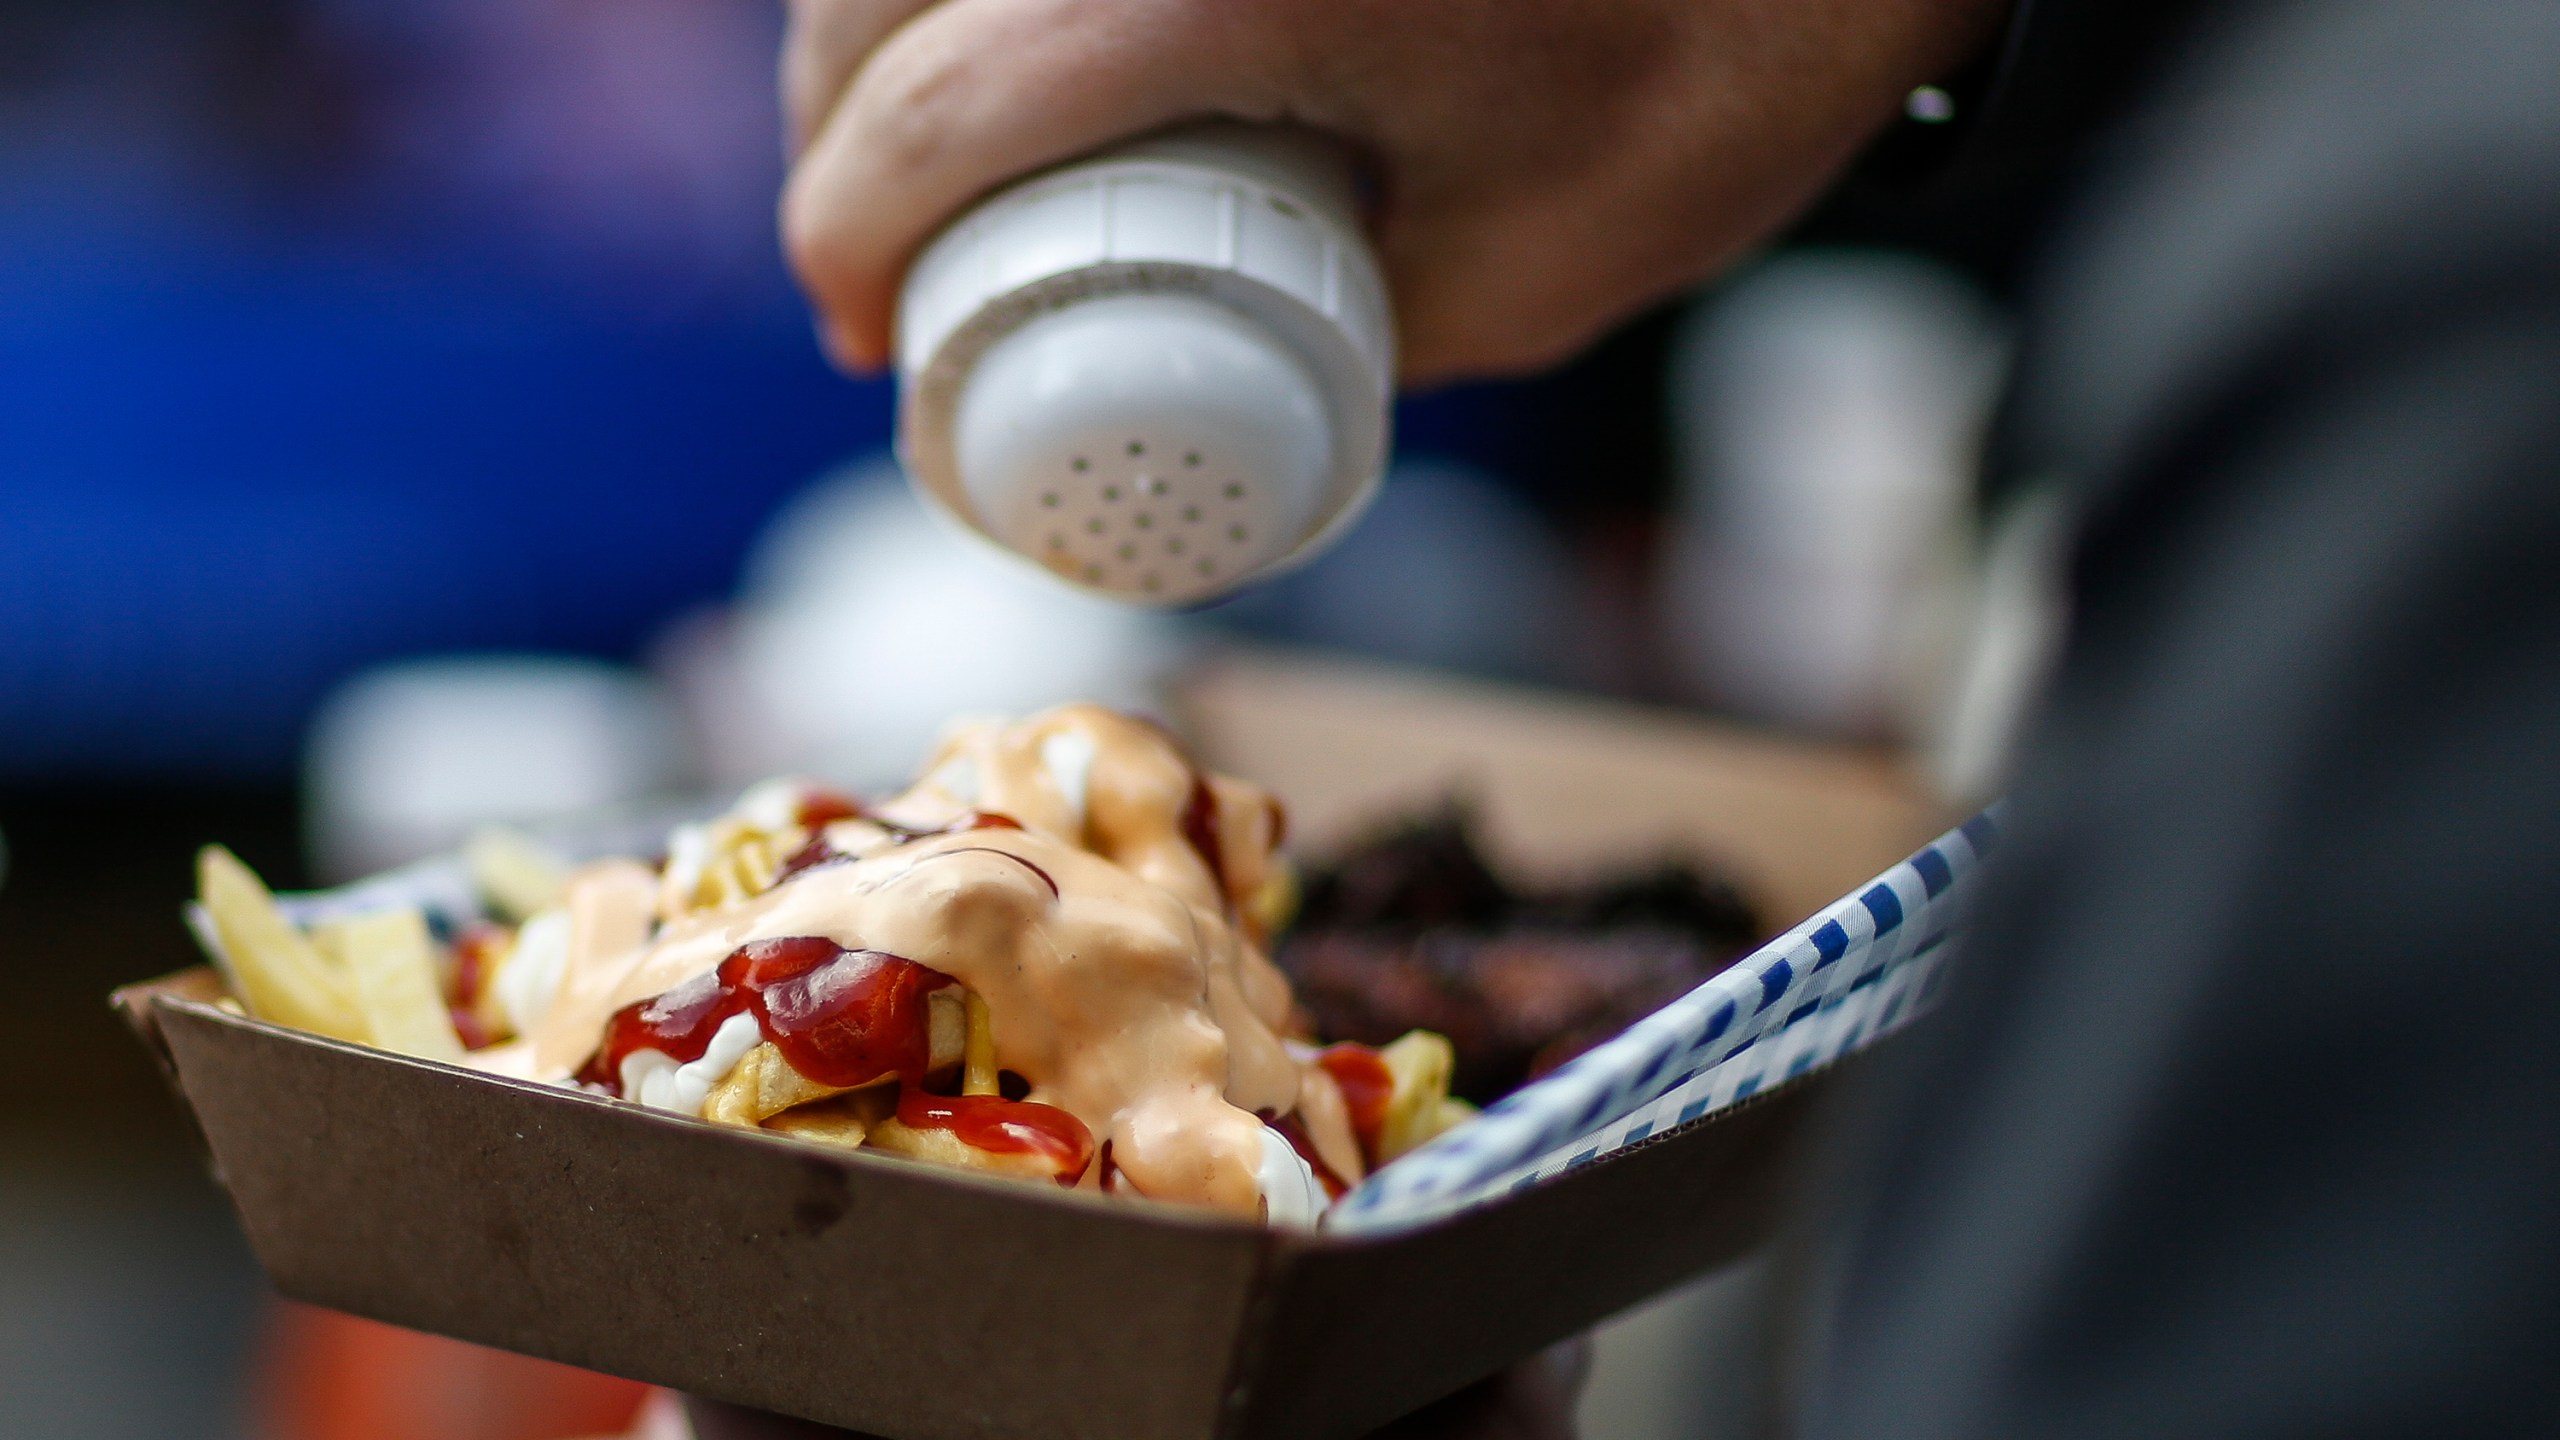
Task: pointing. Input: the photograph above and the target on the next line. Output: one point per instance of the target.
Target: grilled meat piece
(1412, 929)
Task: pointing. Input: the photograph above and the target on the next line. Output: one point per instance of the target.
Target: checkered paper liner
(1857, 970)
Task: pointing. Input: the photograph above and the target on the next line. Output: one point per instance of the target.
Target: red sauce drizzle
(1291, 1130)
(810, 857)
(819, 808)
(1366, 1085)
(1200, 827)
(1045, 877)
(468, 1029)
(470, 977)
(841, 1017)
(966, 820)
(1004, 1127)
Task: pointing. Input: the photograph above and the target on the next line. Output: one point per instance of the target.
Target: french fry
(942, 1147)
(939, 1146)
(389, 963)
(946, 1018)
(1421, 1063)
(728, 881)
(269, 964)
(1452, 1113)
(763, 1084)
(719, 863)
(760, 1086)
(978, 1051)
(516, 873)
(1275, 902)
(844, 1120)
(756, 864)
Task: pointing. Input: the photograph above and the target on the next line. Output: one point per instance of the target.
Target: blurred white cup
(407, 759)
(1828, 409)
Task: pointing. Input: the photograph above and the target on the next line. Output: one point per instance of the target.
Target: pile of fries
(471, 991)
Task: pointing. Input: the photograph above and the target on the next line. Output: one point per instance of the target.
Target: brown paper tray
(897, 1298)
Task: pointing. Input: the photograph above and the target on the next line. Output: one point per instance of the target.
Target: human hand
(1543, 167)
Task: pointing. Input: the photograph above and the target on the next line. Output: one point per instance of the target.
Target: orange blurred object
(329, 1376)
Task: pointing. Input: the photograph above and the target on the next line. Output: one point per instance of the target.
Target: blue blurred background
(338, 331)
(348, 329)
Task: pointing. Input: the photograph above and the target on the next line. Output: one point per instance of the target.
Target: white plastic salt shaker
(1161, 372)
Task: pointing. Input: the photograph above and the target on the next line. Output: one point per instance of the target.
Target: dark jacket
(2242, 1115)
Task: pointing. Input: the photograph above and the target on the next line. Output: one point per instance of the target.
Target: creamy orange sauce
(1130, 995)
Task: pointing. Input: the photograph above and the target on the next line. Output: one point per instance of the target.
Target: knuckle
(912, 77)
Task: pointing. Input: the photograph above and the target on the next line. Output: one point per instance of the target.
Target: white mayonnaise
(771, 805)
(530, 979)
(688, 855)
(1289, 1184)
(1068, 757)
(653, 1078)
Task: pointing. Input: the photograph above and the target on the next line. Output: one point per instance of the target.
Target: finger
(973, 93)
(823, 43)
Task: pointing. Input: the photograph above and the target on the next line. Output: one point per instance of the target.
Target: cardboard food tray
(927, 1304)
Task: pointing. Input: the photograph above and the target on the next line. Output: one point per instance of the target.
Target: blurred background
(406, 422)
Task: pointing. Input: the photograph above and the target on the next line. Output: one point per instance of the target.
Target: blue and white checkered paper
(1857, 970)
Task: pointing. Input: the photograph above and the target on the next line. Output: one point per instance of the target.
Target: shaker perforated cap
(1160, 373)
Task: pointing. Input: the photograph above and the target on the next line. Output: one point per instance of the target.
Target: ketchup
(1200, 827)
(841, 1017)
(965, 820)
(469, 1030)
(1004, 1127)
(1366, 1083)
(820, 808)
(809, 857)
(470, 977)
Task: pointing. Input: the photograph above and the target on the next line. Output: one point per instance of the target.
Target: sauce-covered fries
(1046, 960)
